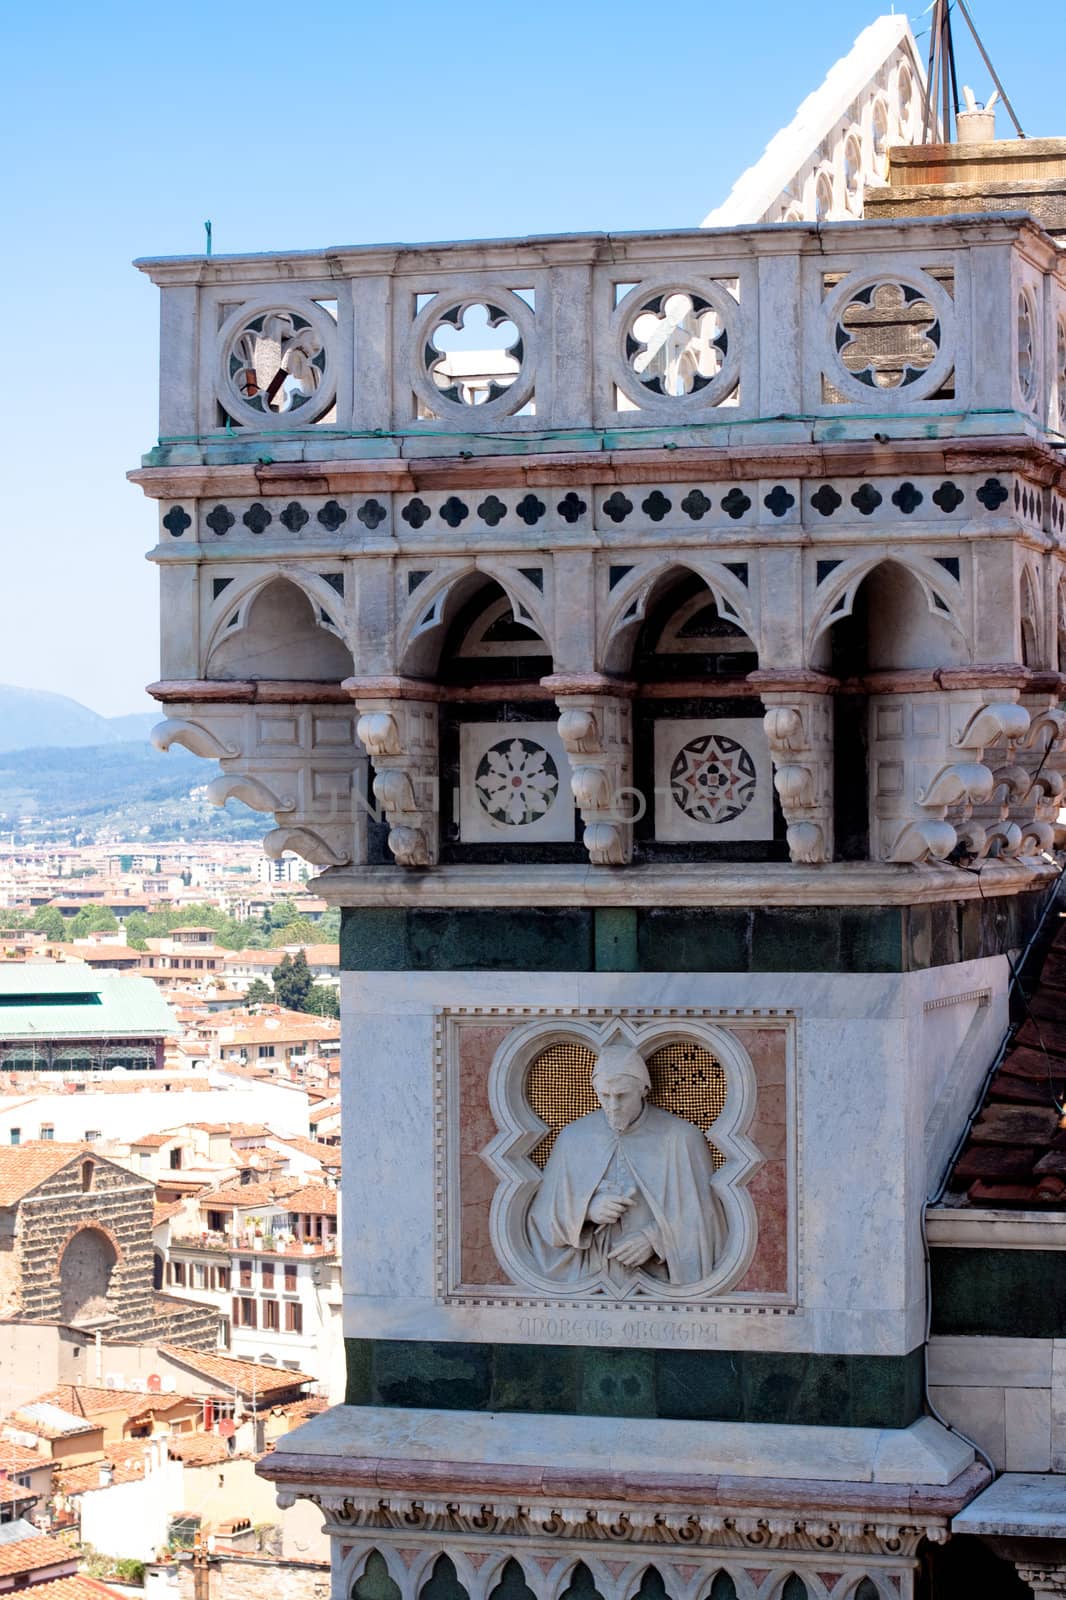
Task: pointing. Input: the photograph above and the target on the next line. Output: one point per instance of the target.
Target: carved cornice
(733, 884)
(246, 692)
(682, 1509)
(566, 469)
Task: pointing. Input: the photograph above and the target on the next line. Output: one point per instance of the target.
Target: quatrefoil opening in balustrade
(473, 354)
(277, 365)
(679, 346)
(893, 336)
(888, 335)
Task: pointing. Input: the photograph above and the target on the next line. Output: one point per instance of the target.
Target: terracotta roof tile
(126, 1461)
(314, 1199)
(197, 1449)
(227, 1372)
(16, 1457)
(1016, 1152)
(24, 1166)
(27, 1555)
(78, 1586)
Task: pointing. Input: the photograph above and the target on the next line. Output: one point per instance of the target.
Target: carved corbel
(998, 726)
(595, 732)
(799, 729)
(932, 787)
(303, 778)
(1041, 754)
(400, 736)
(194, 736)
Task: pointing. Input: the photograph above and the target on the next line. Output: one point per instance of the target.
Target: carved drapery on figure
(628, 1186)
(624, 1159)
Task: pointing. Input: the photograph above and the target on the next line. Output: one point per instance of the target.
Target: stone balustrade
(765, 335)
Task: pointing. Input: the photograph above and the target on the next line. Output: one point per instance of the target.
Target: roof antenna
(941, 82)
(207, 231)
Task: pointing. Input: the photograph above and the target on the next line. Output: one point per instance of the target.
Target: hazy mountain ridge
(36, 719)
(126, 790)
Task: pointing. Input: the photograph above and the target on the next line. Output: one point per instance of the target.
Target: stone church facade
(76, 1248)
(657, 640)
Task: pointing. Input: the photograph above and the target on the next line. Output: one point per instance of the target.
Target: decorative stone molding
(295, 758)
(399, 733)
(799, 726)
(930, 785)
(595, 725)
(688, 1545)
(1042, 755)
(1045, 1579)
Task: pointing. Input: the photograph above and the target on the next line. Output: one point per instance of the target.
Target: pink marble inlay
(477, 1127)
(768, 1185)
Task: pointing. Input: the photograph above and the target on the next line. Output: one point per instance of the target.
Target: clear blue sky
(336, 123)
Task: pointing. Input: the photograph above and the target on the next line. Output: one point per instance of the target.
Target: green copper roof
(70, 1001)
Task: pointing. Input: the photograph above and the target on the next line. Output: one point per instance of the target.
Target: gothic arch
(1030, 619)
(637, 593)
(942, 592)
(280, 627)
(436, 601)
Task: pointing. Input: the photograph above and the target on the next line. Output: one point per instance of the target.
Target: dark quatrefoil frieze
(735, 503)
(992, 494)
(530, 509)
(948, 496)
(696, 504)
(572, 507)
(826, 500)
(492, 510)
(176, 521)
(220, 521)
(332, 516)
(617, 507)
(453, 511)
(779, 502)
(656, 506)
(866, 499)
(294, 517)
(257, 518)
(416, 513)
(371, 514)
(907, 498)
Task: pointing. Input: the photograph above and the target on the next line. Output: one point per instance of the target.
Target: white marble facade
(873, 1064)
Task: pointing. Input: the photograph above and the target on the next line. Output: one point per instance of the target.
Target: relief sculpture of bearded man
(627, 1187)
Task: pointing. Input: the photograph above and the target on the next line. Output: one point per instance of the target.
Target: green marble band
(685, 939)
(697, 1385)
(999, 1293)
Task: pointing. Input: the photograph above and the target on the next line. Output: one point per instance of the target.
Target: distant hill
(126, 790)
(35, 719)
